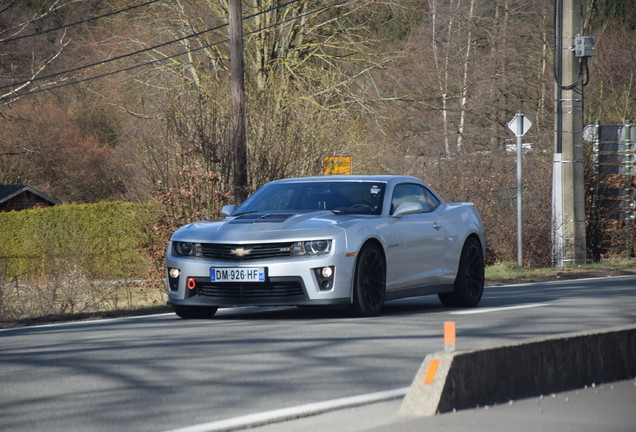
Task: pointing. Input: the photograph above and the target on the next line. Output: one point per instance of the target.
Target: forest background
(129, 100)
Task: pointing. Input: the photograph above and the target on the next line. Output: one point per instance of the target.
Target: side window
(408, 192)
(432, 200)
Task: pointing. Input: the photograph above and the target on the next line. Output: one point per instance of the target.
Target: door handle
(437, 225)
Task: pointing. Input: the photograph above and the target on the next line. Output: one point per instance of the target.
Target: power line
(95, 18)
(161, 45)
(182, 53)
(99, 63)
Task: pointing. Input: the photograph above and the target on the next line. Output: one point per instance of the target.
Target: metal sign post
(519, 125)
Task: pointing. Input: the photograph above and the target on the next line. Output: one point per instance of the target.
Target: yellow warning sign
(336, 165)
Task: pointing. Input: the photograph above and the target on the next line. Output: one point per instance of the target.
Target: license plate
(237, 274)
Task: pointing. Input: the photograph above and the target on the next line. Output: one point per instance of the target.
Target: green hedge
(102, 241)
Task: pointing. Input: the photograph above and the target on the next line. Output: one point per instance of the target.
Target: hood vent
(262, 217)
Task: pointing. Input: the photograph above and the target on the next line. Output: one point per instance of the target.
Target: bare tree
(307, 66)
(42, 145)
(463, 92)
(32, 45)
(611, 97)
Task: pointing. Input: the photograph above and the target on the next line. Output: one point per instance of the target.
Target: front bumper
(290, 281)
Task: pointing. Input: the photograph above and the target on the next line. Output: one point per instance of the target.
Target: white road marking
(85, 322)
(499, 309)
(268, 417)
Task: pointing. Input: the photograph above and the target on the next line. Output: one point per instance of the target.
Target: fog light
(324, 277)
(174, 273)
(325, 285)
(326, 272)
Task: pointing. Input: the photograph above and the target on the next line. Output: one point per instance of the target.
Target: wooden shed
(22, 197)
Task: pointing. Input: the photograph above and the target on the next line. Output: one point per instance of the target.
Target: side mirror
(406, 208)
(228, 210)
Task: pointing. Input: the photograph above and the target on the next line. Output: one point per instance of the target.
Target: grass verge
(503, 273)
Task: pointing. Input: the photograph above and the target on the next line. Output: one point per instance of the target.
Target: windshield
(351, 197)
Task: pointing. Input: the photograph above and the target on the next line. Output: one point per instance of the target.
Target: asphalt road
(158, 373)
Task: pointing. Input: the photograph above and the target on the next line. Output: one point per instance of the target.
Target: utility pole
(568, 200)
(239, 146)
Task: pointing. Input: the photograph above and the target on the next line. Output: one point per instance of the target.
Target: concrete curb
(465, 379)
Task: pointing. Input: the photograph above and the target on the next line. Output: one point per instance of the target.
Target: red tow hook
(192, 284)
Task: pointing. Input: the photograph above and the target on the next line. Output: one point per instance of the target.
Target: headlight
(311, 247)
(186, 248)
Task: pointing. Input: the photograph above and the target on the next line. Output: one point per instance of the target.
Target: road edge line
(291, 413)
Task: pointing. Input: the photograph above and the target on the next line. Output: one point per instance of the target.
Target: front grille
(256, 251)
(251, 290)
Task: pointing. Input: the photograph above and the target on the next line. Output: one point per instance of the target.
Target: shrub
(101, 241)
(72, 259)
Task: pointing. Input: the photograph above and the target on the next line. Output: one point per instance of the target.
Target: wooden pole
(239, 146)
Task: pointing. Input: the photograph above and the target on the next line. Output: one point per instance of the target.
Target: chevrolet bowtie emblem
(240, 252)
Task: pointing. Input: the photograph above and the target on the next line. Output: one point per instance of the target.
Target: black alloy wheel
(195, 312)
(469, 283)
(369, 289)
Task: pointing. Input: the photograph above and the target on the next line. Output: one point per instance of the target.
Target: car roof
(372, 178)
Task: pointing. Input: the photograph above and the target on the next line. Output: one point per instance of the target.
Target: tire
(369, 285)
(195, 312)
(469, 282)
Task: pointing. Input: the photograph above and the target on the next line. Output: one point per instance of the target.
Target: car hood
(263, 227)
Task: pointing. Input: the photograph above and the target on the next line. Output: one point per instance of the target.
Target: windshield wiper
(244, 213)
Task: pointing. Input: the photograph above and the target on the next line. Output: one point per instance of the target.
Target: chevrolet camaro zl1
(352, 241)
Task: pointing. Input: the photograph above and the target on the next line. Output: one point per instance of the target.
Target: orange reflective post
(449, 336)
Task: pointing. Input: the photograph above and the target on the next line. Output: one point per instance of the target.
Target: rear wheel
(195, 312)
(369, 288)
(469, 283)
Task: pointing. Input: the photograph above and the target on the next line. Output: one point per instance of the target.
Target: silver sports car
(353, 241)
